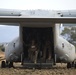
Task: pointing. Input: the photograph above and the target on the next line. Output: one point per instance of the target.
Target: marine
(33, 51)
(47, 48)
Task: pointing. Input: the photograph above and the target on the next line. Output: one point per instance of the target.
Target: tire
(69, 65)
(3, 64)
(10, 64)
(75, 66)
(7, 64)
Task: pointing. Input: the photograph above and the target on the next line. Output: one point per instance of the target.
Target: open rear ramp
(41, 36)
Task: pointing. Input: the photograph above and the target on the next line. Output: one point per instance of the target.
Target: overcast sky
(38, 4)
(9, 33)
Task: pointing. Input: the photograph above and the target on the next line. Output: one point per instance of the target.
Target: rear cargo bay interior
(40, 35)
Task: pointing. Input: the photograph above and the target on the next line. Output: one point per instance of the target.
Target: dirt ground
(60, 69)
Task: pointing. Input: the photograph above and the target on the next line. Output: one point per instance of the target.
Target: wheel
(3, 64)
(6, 63)
(75, 65)
(11, 64)
(69, 65)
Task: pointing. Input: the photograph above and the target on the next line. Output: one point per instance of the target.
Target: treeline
(70, 34)
(2, 48)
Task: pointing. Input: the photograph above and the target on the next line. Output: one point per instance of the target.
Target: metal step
(38, 65)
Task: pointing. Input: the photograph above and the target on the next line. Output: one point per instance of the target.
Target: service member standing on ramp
(33, 51)
(47, 50)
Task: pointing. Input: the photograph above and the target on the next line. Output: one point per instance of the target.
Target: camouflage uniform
(33, 52)
(47, 46)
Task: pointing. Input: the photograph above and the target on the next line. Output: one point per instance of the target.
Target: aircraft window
(62, 45)
(14, 45)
